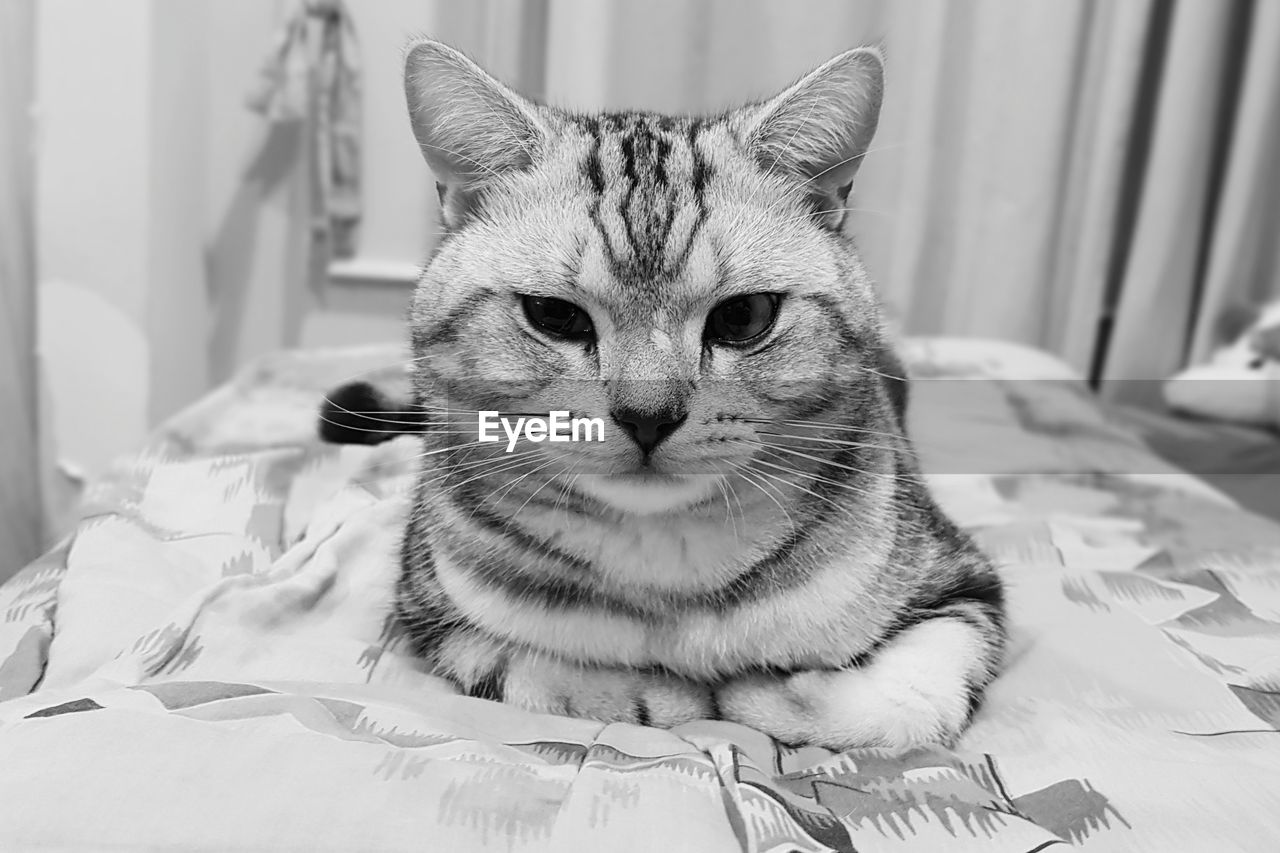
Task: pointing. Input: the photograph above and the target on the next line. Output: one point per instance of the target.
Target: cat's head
(685, 279)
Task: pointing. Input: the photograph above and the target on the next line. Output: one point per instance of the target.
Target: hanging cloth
(313, 75)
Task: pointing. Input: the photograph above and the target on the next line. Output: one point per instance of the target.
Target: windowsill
(368, 271)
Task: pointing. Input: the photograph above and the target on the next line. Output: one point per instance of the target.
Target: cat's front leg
(921, 687)
(645, 697)
(543, 683)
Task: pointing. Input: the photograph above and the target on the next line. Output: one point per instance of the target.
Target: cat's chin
(650, 494)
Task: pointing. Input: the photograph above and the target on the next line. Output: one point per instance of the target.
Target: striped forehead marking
(647, 178)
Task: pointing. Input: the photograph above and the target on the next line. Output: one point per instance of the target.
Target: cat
(753, 541)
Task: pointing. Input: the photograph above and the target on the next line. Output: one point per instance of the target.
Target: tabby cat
(752, 541)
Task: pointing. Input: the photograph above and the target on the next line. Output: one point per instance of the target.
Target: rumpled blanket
(209, 661)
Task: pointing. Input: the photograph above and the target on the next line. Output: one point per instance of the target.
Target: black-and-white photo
(732, 426)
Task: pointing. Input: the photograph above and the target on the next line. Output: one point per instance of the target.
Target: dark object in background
(358, 413)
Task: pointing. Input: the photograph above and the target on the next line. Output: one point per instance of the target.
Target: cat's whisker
(749, 475)
(875, 372)
(501, 413)
(826, 462)
(501, 492)
(817, 478)
(514, 463)
(535, 492)
(350, 428)
(453, 487)
(839, 442)
(366, 415)
(408, 418)
(417, 426)
(742, 515)
(802, 489)
(449, 466)
(565, 489)
(443, 472)
(336, 406)
(453, 448)
(823, 425)
(471, 431)
(890, 501)
(493, 460)
(728, 509)
(402, 366)
(417, 457)
(382, 412)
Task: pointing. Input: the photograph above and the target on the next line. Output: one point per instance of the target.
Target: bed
(208, 661)
(1241, 460)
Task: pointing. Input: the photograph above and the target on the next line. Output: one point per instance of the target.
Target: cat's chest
(659, 557)
(830, 613)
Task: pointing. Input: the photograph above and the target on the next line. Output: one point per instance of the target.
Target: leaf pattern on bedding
(1262, 700)
(1071, 809)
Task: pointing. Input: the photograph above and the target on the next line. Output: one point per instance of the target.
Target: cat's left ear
(471, 128)
(819, 129)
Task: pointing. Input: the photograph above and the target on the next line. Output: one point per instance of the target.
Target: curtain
(1207, 191)
(958, 219)
(20, 509)
(1093, 177)
(1243, 254)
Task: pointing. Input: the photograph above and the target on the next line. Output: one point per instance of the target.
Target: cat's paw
(919, 689)
(841, 709)
(553, 686)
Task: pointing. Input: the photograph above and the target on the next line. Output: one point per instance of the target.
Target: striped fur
(778, 560)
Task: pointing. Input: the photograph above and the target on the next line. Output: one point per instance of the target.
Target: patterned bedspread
(208, 661)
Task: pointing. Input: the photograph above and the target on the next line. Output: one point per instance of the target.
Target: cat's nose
(648, 429)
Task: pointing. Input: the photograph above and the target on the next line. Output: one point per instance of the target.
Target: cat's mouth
(649, 492)
(645, 475)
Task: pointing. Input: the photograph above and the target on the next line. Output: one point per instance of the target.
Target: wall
(91, 221)
(172, 220)
(119, 108)
(20, 521)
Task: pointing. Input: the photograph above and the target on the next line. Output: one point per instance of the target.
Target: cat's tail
(358, 413)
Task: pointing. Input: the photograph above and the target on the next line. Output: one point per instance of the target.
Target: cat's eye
(742, 319)
(558, 318)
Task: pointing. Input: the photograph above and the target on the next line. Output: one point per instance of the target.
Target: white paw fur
(913, 692)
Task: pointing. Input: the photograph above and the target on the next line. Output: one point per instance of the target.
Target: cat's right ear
(821, 127)
(471, 128)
